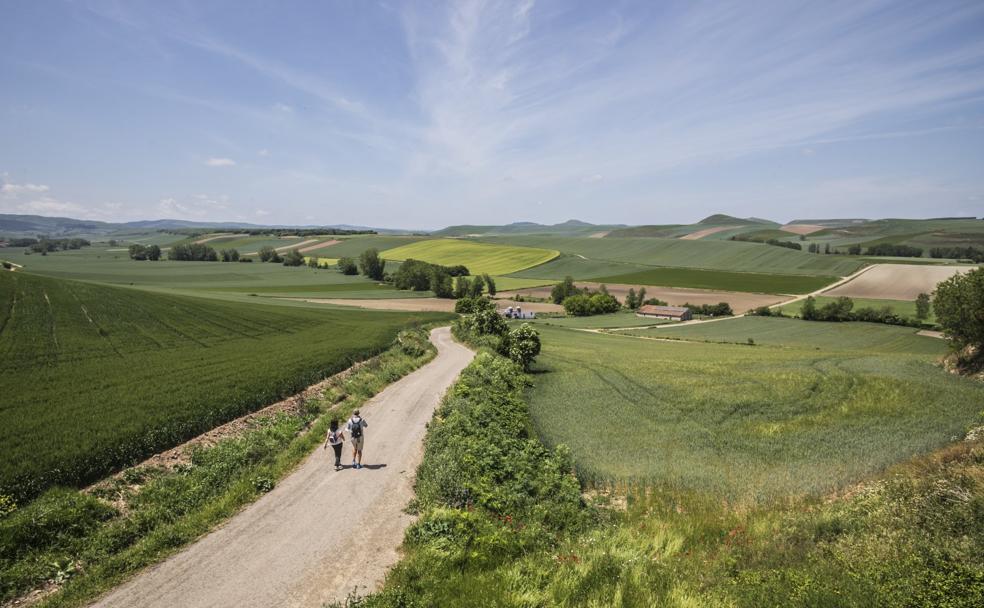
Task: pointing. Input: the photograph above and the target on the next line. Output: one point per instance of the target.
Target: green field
(480, 258)
(748, 422)
(754, 282)
(607, 321)
(701, 254)
(96, 377)
(794, 333)
(203, 278)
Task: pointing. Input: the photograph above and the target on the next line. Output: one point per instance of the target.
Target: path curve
(318, 535)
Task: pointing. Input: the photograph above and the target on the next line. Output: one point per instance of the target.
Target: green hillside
(605, 257)
(96, 377)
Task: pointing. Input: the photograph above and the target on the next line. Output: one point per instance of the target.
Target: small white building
(517, 312)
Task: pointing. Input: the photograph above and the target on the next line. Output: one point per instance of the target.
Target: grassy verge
(83, 544)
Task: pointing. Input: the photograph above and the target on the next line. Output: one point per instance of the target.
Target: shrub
(521, 345)
(293, 258)
(347, 266)
(193, 252)
(958, 303)
(267, 254)
(489, 283)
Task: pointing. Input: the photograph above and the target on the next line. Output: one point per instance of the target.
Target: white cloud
(264, 153)
(197, 206)
(17, 189)
(220, 162)
(47, 205)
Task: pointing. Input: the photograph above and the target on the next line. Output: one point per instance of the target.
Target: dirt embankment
(319, 246)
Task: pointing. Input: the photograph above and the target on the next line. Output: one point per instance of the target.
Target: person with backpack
(356, 426)
(335, 439)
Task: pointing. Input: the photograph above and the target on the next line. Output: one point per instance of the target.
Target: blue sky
(424, 114)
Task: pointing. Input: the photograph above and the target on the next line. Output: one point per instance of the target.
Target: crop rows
(96, 377)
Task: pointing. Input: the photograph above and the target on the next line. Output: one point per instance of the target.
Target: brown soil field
(693, 236)
(423, 304)
(599, 235)
(319, 246)
(675, 296)
(896, 281)
(801, 228)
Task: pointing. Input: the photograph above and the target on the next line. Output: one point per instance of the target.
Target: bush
(347, 266)
(293, 258)
(887, 249)
(229, 255)
(471, 305)
(521, 345)
(267, 254)
(765, 311)
(489, 284)
(721, 309)
(958, 303)
(583, 305)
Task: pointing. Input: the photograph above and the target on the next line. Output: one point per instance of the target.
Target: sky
(423, 114)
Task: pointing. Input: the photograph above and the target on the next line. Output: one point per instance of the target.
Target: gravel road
(319, 535)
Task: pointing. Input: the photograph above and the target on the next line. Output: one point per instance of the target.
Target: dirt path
(319, 534)
(693, 236)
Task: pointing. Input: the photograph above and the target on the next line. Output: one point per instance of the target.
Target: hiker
(335, 439)
(355, 427)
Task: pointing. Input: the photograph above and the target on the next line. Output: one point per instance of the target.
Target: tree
(490, 283)
(371, 264)
(522, 345)
(826, 248)
(854, 249)
(461, 287)
(267, 253)
(959, 306)
(154, 253)
(488, 322)
(630, 299)
(809, 310)
(312, 262)
(440, 283)
(293, 258)
(922, 306)
(641, 297)
(563, 290)
(138, 252)
(477, 287)
(347, 266)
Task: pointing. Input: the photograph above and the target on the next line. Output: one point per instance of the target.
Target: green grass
(480, 258)
(722, 280)
(903, 308)
(618, 319)
(701, 254)
(95, 377)
(815, 335)
(747, 422)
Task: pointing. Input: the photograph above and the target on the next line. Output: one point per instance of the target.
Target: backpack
(356, 428)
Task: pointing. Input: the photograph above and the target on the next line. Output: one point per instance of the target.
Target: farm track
(296, 546)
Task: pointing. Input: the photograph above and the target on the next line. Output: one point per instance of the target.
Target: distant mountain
(832, 223)
(570, 227)
(31, 225)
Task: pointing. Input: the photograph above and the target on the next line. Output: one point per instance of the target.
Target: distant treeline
(773, 242)
(888, 249)
(190, 232)
(958, 253)
(44, 244)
